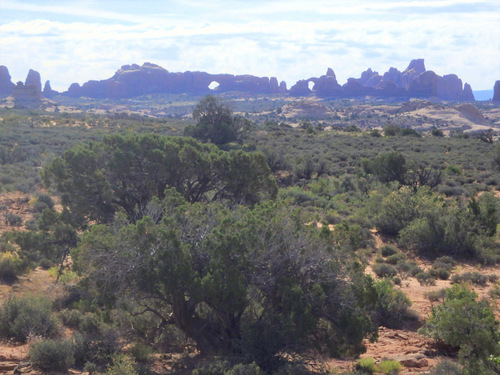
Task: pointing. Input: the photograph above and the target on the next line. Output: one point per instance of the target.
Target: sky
(77, 40)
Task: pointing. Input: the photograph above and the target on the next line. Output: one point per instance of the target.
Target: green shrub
(453, 169)
(495, 291)
(121, 365)
(472, 277)
(13, 220)
(366, 365)
(141, 353)
(213, 368)
(392, 306)
(425, 278)
(390, 367)
(245, 369)
(52, 355)
(440, 273)
(384, 270)
(445, 262)
(446, 368)
(91, 368)
(396, 258)
(22, 317)
(11, 266)
(225, 368)
(388, 250)
(408, 268)
(46, 199)
(99, 348)
(464, 323)
(292, 369)
(436, 295)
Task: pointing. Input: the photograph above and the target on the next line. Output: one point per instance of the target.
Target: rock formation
(301, 88)
(47, 90)
(6, 85)
(467, 94)
(414, 81)
(29, 94)
(134, 80)
(33, 79)
(496, 92)
(327, 85)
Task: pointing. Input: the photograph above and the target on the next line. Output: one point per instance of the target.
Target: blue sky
(74, 41)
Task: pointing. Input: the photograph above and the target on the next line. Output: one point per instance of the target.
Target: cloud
(69, 42)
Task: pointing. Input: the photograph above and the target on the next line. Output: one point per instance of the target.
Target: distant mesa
(496, 92)
(135, 80)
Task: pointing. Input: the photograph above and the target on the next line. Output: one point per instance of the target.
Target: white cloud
(272, 38)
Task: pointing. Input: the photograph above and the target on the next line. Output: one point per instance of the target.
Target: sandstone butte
(134, 80)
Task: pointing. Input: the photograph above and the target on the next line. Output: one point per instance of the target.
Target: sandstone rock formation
(414, 81)
(134, 80)
(6, 85)
(496, 92)
(301, 88)
(33, 79)
(467, 94)
(29, 94)
(47, 90)
(327, 85)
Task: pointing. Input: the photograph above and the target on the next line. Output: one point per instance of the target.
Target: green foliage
(437, 295)
(392, 305)
(434, 227)
(396, 258)
(121, 365)
(48, 242)
(388, 250)
(398, 209)
(216, 123)
(52, 355)
(366, 365)
(125, 172)
(465, 323)
(22, 317)
(390, 367)
(236, 281)
(408, 268)
(13, 220)
(243, 369)
(97, 347)
(391, 130)
(225, 368)
(384, 270)
(387, 167)
(474, 277)
(91, 368)
(446, 368)
(11, 266)
(437, 132)
(213, 368)
(425, 278)
(141, 353)
(453, 169)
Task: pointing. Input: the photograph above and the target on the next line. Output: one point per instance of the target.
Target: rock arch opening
(213, 85)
